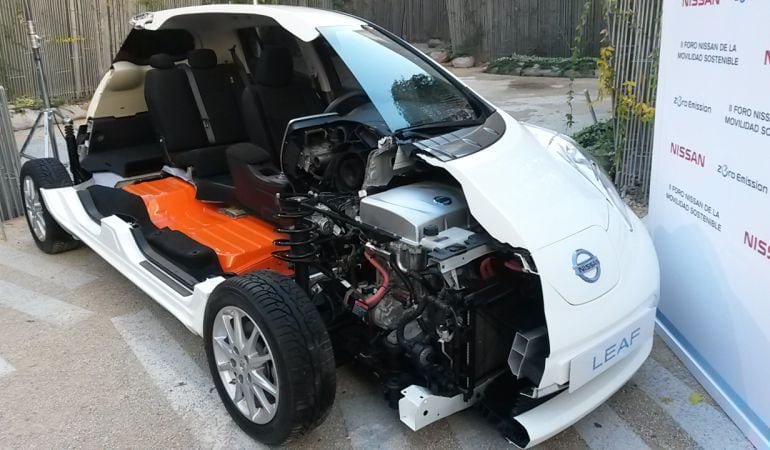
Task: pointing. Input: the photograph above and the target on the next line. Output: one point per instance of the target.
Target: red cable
(377, 296)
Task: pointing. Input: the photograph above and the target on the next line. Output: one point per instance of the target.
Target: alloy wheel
(245, 364)
(34, 208)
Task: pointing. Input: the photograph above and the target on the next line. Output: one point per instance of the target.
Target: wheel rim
(34, 207)
(245, 364)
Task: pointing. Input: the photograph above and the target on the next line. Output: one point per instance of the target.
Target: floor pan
(242, 244)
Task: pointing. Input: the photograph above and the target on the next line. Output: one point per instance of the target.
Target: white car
(300, 187)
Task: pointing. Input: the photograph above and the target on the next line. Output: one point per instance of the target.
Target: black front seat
(278, 96)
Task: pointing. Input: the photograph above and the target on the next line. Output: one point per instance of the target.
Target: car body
(532, 194)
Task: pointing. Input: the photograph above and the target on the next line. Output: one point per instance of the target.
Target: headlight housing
(578, 158)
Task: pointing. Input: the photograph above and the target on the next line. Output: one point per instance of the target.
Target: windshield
(407, 91)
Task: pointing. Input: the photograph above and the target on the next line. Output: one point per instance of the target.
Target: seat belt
(199, 103)
(244, 74)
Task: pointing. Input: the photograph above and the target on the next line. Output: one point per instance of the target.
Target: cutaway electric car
(302, 188)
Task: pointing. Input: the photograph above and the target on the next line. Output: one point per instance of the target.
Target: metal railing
(10, 199)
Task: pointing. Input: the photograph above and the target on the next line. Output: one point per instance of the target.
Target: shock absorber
(79, 174)
(293, 222)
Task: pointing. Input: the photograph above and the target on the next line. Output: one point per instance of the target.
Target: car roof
(301, 21)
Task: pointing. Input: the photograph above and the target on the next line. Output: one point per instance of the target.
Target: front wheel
(46, 173)
(270, 356)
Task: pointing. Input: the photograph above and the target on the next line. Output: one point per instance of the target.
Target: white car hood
(524, 195)
(529, 197)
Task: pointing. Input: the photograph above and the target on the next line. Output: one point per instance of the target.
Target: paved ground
(87, 360)
(542, 101)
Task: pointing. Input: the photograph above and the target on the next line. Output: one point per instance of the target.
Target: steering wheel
(352, 99)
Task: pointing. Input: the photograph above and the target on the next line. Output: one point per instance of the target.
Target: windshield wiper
(418, 130)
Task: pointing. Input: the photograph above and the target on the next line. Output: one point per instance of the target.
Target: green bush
(599, 142)
(514, 64)
(25, 102)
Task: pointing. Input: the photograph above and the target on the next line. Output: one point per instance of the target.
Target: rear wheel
(270, 356)
(47, 173)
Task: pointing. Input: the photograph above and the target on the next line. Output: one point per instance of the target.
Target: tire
(302, 368)
(46, 173)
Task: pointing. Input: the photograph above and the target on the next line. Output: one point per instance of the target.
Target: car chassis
(329, 194)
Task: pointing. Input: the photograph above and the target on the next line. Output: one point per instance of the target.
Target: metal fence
(634, 29)
(10, 201)
(413, 20)
(493, 28)
(82, 36)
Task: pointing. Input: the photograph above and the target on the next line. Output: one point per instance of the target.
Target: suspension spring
(302, 235)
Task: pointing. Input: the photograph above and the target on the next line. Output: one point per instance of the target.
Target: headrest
(274, 67)
(162, 61)
(202, 58)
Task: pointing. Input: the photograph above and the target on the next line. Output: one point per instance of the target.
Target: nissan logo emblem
(586, 266)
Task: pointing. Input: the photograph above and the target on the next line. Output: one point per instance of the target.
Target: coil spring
(301, 232)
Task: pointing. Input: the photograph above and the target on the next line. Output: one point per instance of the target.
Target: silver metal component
(408, 257)
(377, 250)
(406, 211)
(388, 313)
(48, 113)
(443, 350)
(379, 164)
(462, 259)
(402, 162)
(246, 364)
(446, 239)
(544, 392)
(444, 335)
(11, 204)
(452, 279)
(140, 21)
(525, 264)
(183, 174)
(419, 408)
(526, 359)
(34, 208)
(315, 157)
(233, 212)
(324, 224)
(289, 127)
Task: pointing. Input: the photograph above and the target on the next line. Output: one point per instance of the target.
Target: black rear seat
(220, 88)
(178, 122)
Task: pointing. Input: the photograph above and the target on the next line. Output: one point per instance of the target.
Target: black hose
(405, 321)
(402, 276)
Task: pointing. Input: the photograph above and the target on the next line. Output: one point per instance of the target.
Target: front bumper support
(562, 411)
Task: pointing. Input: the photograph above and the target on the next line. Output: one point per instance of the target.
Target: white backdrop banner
(709, 200)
